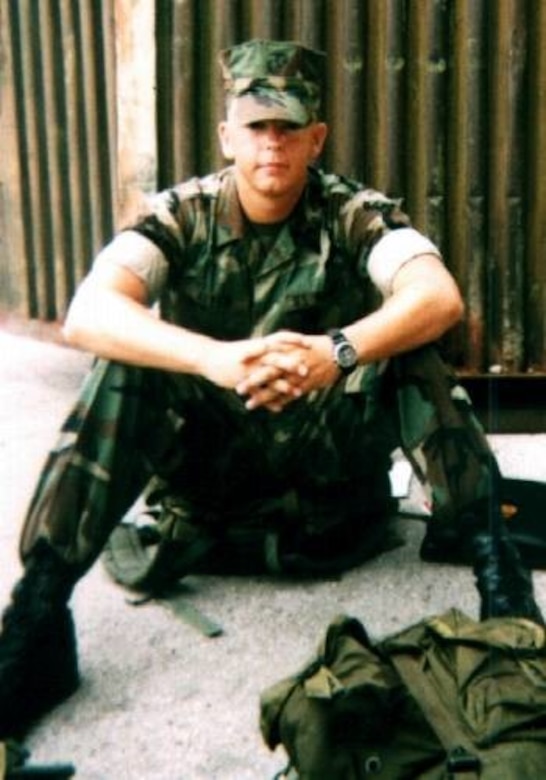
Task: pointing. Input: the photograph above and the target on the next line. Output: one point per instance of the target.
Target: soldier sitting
(292, 354)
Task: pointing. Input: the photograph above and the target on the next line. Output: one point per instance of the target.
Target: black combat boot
(505, 585)
(38, 657)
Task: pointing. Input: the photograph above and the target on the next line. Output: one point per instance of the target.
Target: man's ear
(320, 132)
(225, 140)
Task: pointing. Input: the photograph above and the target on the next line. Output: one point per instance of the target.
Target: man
(270, 386)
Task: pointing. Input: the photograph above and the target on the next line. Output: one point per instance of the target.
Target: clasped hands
(274, 370)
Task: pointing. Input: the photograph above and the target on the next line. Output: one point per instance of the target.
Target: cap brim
(270, 104)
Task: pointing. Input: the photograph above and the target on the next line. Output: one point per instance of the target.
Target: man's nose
(274, 136)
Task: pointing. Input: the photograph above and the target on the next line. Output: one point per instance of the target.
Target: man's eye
(282, 127)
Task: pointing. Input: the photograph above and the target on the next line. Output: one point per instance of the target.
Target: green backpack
(445, 698)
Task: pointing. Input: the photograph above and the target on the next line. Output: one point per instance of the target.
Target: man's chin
(272, 185)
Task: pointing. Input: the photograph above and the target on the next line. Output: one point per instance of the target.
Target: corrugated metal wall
(440, 102)
(56, 141)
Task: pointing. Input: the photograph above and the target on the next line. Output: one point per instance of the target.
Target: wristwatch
(345, 356)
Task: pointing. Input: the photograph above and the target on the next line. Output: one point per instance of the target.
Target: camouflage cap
(273, 80)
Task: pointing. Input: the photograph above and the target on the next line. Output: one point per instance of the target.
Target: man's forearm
(424, 306)
(114, 327)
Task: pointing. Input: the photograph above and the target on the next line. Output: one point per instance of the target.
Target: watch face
(345, 355)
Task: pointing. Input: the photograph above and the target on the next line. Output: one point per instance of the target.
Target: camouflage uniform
(325, 455)
(314, 477)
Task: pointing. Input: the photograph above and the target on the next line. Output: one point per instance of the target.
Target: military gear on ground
(151, 550)
(273, 80)
(522, 504)
(38, 658)
(149, 555)
(445, 698)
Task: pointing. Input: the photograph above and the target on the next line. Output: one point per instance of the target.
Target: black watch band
(344, 353)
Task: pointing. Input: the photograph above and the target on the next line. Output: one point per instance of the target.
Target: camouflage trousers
(133, 427)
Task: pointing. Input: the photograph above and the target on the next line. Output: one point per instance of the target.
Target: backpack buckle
(460, 761)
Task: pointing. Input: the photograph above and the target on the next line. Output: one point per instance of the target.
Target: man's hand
(228, 363)
(269, 372)
(291, 366)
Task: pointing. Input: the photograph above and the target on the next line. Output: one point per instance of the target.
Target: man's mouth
(272, 166)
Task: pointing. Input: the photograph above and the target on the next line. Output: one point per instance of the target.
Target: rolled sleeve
(394, 250)
(139, 255)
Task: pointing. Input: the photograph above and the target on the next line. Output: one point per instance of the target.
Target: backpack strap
(463, 759)
(155, 570)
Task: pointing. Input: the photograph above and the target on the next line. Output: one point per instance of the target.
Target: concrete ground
(159, 701)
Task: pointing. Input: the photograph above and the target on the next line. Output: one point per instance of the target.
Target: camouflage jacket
(223, 282)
